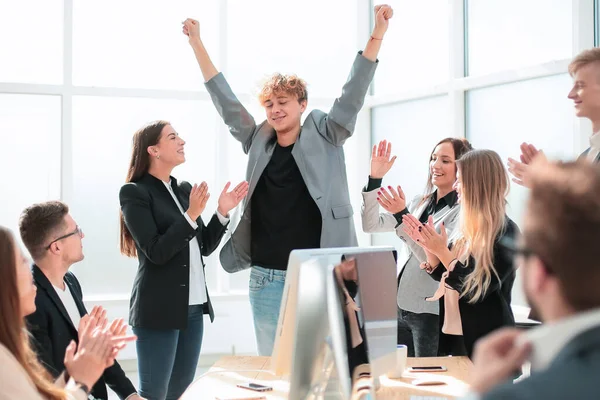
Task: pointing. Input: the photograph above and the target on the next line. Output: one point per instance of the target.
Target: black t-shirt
(284, 215)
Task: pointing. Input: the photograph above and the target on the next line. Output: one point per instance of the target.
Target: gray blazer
(318, 153)
(573, 374)
(414, 284)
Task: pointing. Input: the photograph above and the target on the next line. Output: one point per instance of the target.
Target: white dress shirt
(197, 284)
(66, 297)
(594, 147)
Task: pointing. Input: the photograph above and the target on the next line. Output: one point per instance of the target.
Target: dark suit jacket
(492, 311)
(573, 374)
(160, 295)
(52, 330)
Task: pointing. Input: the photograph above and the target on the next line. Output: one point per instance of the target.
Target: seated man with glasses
(54, 241)
(559, 258)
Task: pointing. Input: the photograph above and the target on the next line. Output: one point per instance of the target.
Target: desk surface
(222, 378)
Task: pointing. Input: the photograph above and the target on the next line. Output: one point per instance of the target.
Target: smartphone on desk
(429, 368)
(255, 386)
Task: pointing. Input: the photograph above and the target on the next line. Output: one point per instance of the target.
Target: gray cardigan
(414, 283)
(318, 152)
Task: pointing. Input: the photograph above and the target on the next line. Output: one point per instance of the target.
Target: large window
(141, 45)
(536, 111)
(509, 34)
(79, 79)
(415, 51)
(314, 39)
(32, 41)
(492, 71)
(30, 163)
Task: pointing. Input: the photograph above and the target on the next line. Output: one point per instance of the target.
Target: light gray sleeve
(240, 122)
(372, 220)
(338, 125)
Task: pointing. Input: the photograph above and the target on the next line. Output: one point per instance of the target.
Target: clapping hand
(198, 197)
(519, 168)
(425, 234)
(229, 200)
(392, 201)
(98, 347)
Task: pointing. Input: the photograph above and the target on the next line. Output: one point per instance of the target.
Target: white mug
(401, 355)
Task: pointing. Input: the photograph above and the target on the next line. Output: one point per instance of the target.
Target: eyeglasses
(523, 253)
(77, 231)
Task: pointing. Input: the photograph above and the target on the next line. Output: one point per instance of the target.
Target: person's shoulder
(510, 228)
(133, 189)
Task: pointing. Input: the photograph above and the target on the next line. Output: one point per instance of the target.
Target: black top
(284, 215)
(52, 330)
(492, 310)
(160, 294)
(432, 207)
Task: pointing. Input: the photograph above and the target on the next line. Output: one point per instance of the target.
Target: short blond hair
(280, 83)
(584, 58)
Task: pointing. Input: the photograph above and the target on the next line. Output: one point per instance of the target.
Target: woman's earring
(158, 157)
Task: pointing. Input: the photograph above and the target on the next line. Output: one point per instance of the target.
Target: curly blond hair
(287, 84)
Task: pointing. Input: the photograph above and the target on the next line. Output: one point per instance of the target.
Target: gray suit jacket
(573, 374)
(414, 283)
(318, 153)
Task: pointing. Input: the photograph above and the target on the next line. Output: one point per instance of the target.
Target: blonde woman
(475, 271)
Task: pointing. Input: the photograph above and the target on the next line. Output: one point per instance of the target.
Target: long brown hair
(13, 334)
(460, 146)
(485, 185)
(146, 136)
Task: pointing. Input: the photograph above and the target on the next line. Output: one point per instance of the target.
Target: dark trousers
(419, 332)
(167, 359)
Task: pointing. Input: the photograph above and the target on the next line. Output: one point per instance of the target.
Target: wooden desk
(223, 384)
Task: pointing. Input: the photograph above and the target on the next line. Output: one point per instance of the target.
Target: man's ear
(303, 105)
(539, 276)
(54, 248)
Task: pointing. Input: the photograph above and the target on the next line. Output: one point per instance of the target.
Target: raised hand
(383, 13)
(229, 200)
(381, 162)
(392, 201)
(198, 197)
(191, 28)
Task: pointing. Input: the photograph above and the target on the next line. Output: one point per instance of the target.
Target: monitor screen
(314, 335)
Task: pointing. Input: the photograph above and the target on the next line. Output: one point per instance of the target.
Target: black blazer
(52, 330)
(493, 310)
(160, 295)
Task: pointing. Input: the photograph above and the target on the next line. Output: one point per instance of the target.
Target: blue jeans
(167, 359)
(419, 332)
(266, 288)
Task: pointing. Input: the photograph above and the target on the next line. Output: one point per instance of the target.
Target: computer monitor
(311, 341)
